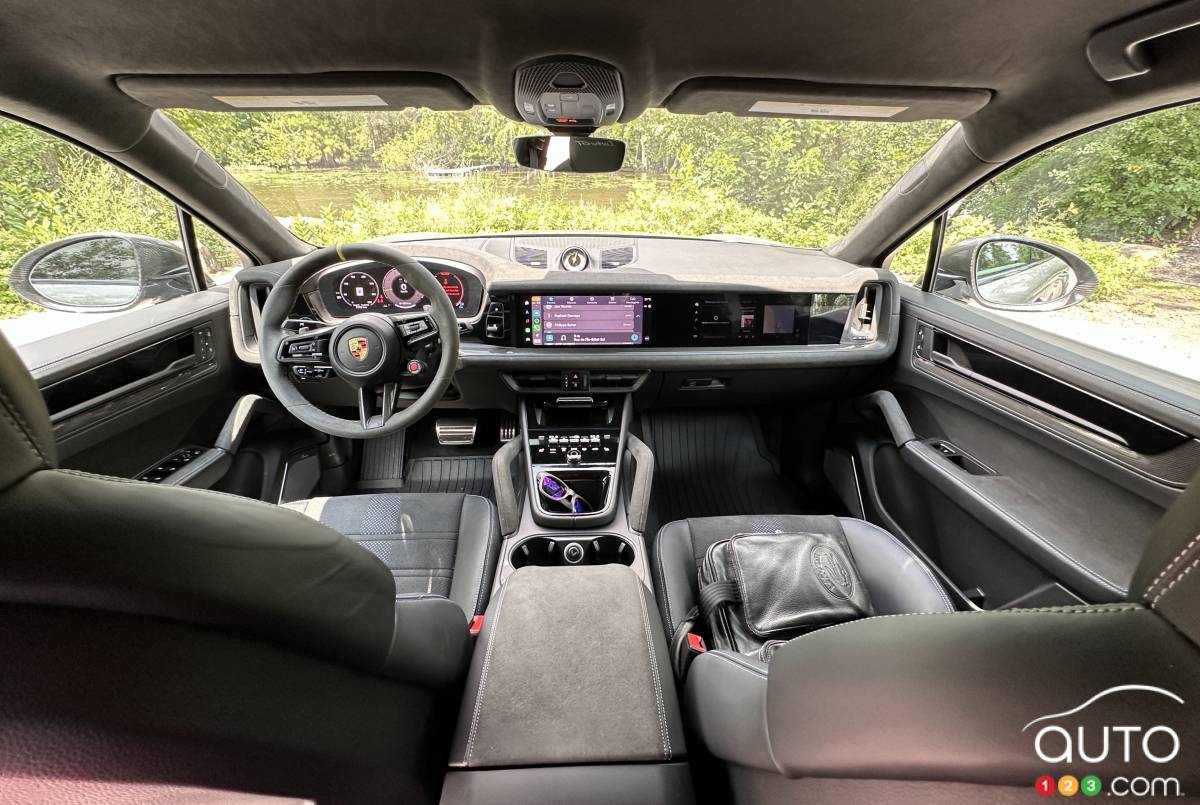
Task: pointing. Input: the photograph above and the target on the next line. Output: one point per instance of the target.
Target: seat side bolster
(726, 697)
(958, 697)
(475, 554)
(674, 568)
(897, 579)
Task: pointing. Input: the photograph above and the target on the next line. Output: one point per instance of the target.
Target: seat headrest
(1168, 577)
(26, 436)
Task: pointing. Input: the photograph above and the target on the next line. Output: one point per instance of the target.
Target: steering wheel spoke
(309, 347)
(376, 404)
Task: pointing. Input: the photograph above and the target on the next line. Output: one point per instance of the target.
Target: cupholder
(603, 549)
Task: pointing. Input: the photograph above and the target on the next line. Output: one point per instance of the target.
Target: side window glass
(910, 260)
(80, 239)
(219, 258)
(1096, 239)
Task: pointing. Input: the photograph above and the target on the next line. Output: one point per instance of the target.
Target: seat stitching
(1084, 610)
(1175, 581)
(721, 655)
(928, 573)
(1170, 566)
(663, 729)
(483, 676)
(662, 576)
(18, 422)
(192, 490)
(484, 564)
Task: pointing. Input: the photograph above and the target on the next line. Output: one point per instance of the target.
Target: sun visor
(752, 97)
(325, 91)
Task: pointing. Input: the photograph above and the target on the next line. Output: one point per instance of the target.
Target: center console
(573, 445)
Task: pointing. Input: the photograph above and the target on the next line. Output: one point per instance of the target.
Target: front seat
(433, 543)
(896, 579)
(970, 707)
(166, 641)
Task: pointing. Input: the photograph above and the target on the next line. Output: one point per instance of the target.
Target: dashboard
(363, 286)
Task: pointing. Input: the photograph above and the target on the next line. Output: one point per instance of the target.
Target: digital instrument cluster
(378, 288)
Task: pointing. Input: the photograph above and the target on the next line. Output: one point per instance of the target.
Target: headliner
(59, 61)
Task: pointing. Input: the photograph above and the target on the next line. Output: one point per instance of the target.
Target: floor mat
(386, 469)
(470, 474)
(713, 463)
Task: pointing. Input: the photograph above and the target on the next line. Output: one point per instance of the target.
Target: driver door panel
(127, 392)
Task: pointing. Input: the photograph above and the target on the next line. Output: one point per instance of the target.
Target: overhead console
(639, 321)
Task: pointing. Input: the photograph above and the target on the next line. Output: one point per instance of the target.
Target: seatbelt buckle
(695, 643)
(476, 625)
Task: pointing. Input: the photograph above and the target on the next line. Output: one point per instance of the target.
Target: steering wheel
(370, 351)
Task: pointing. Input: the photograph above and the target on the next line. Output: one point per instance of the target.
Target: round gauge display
(453, 286)
(574, 259)
(400, 292)
(359, 290)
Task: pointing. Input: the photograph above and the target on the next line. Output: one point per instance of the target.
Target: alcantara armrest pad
(571, 667)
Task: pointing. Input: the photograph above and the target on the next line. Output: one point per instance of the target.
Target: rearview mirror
(101, 272)
(1007, 272)
(569, 154)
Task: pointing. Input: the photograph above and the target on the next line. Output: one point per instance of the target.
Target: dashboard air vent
(528, 256)
(615, 258)
(254, 299)
(862, 325)
(616, 381)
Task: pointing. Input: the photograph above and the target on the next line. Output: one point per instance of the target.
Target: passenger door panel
(1033, 463)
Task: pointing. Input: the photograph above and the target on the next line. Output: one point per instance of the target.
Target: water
(305, 192)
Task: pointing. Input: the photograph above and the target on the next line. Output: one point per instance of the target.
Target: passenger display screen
(572, 321)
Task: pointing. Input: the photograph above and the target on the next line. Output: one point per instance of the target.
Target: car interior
(591, 517)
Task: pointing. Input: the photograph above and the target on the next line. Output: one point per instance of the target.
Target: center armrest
(571, 667)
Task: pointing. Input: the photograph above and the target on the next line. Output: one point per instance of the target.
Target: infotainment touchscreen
(572, 321)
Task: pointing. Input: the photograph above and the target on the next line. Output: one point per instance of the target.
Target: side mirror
(101, 272)
(569, 154)
(1007, 272)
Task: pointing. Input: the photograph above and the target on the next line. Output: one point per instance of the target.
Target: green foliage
(1135, 180)
(65, 191)
(800, 182)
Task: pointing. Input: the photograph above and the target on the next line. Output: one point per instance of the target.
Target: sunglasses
(554, 488)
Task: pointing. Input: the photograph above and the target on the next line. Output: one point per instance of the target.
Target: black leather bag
(758, 591)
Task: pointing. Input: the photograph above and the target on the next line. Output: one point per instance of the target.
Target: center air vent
(615, 258)
(529, 256)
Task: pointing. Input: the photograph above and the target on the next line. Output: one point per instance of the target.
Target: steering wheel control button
(414, 367)
(307, 374)
(414, 327)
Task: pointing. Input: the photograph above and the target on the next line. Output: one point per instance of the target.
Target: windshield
(337, 176)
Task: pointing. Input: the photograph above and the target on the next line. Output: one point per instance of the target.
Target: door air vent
(862, 324)
(529, 256)
(615, 258)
